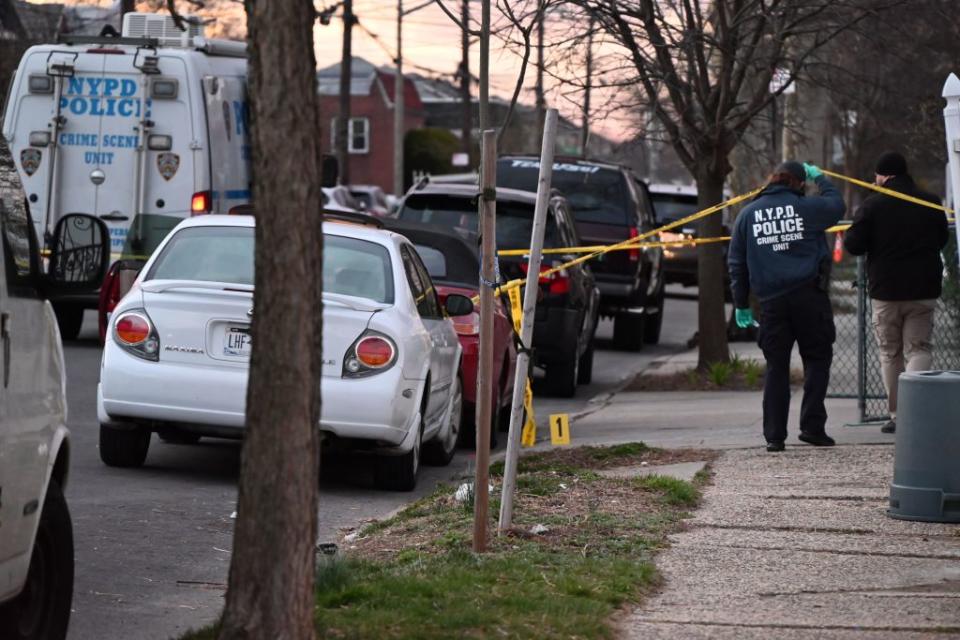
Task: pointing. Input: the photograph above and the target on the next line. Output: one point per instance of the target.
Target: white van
(36, 540)
(141, 130)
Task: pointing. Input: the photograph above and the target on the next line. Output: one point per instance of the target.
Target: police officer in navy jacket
(779, 252)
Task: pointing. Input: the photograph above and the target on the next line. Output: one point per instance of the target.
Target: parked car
(610, 204)
(36, 534)
(371, 199)
(673, 202)
(454, 267)
(176, 358)
(339, 198)
(568, 309)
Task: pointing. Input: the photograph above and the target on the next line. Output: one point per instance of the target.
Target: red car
(454, 267)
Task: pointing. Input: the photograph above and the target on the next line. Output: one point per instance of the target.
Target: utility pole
(484, 65)
(541, 99)
(465, 102)
(585, 131)
(398, 115)
(343, 118)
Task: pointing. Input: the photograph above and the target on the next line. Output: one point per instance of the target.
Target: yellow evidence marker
(560, 428)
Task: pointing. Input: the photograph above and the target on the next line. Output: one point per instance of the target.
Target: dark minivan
(610, 204)
(567, 311)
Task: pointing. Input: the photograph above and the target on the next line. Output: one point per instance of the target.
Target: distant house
(371, 118)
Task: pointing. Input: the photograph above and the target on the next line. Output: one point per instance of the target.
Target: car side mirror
(457, 305)
(80, 253)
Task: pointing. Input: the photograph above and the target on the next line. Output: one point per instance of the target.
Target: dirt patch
(694, 380)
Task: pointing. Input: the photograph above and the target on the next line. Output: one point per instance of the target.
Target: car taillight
(371, 353)
(468, 325)
(634, 253)
(136, 335)
(557, 282)
(201, 203)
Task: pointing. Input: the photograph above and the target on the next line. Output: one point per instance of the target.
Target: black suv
(610, 204)
(568, 308)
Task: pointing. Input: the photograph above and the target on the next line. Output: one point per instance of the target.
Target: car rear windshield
(459, 214)
(225, 254)
(596, 194)
(673, 207)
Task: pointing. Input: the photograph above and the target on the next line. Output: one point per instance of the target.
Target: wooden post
(488, 243)
(399, 93)
(526, 328)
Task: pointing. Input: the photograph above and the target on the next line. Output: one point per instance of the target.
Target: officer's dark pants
(803, 316)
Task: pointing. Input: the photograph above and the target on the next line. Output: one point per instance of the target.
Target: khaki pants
(903, 329)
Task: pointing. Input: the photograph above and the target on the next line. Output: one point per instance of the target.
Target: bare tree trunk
(270, 591)
(127, 6)
(343, 118)
(585, 126)
(711, 314)
(539, 90)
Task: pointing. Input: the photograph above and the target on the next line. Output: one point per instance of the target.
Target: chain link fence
(856, 371)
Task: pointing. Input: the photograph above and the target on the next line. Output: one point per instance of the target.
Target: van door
(225, 98)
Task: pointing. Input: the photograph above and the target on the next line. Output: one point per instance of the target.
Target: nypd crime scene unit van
(141, 130)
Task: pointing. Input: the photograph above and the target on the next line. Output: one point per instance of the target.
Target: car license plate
(237, 342)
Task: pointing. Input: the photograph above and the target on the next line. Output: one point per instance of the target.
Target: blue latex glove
(744, 318)
(813, 171)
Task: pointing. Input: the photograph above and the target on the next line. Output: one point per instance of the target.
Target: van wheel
(399, 473)
(42, 610)
(123, 447)
(585, 375)
(628, 331)
(561, 378)
(653, 323)
(439, 452)
(69, 320)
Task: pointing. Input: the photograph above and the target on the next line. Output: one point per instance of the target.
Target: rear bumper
(211, 400)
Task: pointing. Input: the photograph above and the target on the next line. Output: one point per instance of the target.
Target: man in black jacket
(902, 241)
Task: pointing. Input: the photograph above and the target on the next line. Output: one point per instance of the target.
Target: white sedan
(177, 352)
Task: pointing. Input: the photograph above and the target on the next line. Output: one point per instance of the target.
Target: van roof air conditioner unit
(161, 28)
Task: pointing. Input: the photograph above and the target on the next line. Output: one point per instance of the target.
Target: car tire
(123, 447)
(561, 378)
(179, 437)
(69, 320)
(653, 323)
(468, 427)
(42, 610)
(440, 451)
(628, 332)
(585, 373)
(399, 473)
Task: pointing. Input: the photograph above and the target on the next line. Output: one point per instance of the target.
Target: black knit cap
(793, 168)
(891, 164)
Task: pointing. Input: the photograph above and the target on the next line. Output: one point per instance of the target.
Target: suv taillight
(634, 253)
(556, 283)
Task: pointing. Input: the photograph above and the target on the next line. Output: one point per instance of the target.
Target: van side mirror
(80, 253)
(457, 305)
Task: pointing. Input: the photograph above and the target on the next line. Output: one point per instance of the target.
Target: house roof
(362, 75)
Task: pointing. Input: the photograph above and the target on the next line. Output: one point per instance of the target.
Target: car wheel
(585, 375)
(561, 379)
(628, 331)
(468, 427)
(123, 447)
(653, 323)
(69, 320)
(179, 437)
(439, 452)
(42, 610)
(399, 473)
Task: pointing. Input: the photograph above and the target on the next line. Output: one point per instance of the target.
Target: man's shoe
(817, 440)
(775, 446)
(890, 427)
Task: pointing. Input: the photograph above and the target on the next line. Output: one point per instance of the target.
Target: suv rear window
(459, 214)
(671, 207)
(351, 267)
(596, 194)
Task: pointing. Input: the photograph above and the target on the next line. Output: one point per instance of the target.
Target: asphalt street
(153, 544)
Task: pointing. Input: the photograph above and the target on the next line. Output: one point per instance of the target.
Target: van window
(459, 214)
(596, 194)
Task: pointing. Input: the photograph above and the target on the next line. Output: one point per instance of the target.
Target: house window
(358, 134)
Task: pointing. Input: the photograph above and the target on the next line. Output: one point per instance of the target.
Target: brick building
(371, 118)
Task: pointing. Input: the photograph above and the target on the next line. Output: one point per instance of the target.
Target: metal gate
(856, 372)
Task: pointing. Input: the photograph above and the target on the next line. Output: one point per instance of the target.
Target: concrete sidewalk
(797, 545)
(789, 545)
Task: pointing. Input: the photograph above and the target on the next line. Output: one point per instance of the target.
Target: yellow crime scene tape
(528, 436)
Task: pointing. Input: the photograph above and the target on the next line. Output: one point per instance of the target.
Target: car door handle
(5, 338)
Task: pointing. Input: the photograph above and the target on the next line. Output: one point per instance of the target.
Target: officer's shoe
(890, 427)
(817, 439)
(775, 446)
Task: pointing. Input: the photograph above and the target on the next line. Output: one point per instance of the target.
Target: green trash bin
(926, 469)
